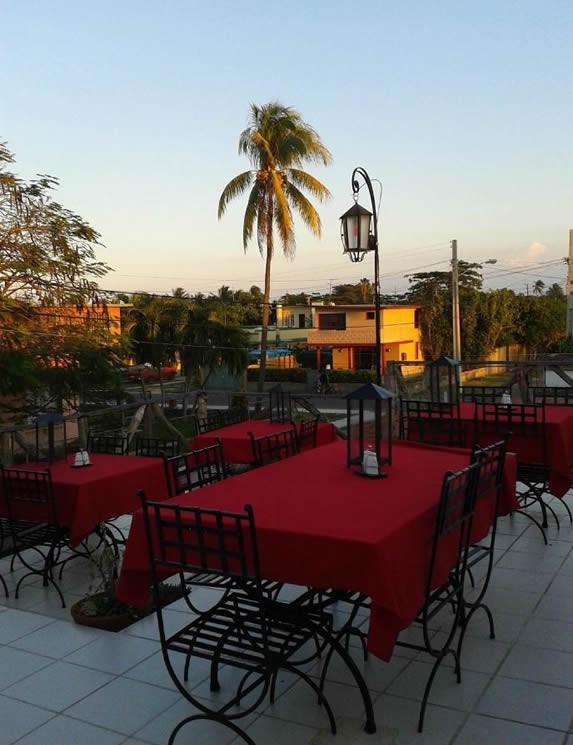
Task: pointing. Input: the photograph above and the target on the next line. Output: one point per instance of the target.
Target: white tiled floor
(61, 684)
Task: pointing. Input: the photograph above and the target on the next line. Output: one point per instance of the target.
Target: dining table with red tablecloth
(320, 524)
(107, 488)
(236, 441)
(559, 442)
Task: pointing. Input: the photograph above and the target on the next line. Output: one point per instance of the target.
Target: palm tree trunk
(266, 300)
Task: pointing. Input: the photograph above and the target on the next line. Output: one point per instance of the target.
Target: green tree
(47, 253)
(207, 344)
(47, 259)
(540, 322)
(277, 142)
(154, 326)
(555, 290)
(538, 287)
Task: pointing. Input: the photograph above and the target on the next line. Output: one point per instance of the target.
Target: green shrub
(351, 376)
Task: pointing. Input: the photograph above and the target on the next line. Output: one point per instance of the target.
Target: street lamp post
(359, 233)
(456, 325)
(456, 332)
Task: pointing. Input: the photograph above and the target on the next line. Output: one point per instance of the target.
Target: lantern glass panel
(369, 426)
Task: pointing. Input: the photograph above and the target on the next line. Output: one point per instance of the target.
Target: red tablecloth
(321, 525)
(237, 444)
(106, 489)
(559, 433)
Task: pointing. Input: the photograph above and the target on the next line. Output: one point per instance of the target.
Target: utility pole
(570, 287)
(456, 334)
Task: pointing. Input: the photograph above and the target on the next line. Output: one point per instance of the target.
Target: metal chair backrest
(492, 461)
(521, 425)
(275, 446)
(552, 395)
(102, 443)
(155, 447)
(195, 469)
(191, 539)
(232, 416)
(208, 423)
(307, 432)
(482, 393)
(29, 495)
(453, 525)
(432, 422)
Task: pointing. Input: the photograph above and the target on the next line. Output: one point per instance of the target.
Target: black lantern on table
(444, 379)
(369, 429)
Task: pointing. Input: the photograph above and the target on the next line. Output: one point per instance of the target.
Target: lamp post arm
(359, 171)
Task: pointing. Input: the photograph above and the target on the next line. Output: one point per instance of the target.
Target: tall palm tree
(277, 142)
(538, 287)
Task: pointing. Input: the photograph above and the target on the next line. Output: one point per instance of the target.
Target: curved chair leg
(553, 513)
(221, 720)
(465, 625)
(564, 503)
(428, 687)
(534, 521)
(336, 646)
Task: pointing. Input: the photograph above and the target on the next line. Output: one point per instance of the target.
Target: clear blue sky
(464, 111)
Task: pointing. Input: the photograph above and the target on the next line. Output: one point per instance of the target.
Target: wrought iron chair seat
(246, 629)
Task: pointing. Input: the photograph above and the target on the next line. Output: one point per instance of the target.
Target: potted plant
(100, 608)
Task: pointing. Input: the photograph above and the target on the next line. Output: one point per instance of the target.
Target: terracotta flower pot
(86, 613)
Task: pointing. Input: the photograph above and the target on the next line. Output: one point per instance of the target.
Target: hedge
(278, 375)
(351, 376)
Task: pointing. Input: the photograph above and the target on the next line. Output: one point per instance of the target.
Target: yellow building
(95, 316)
(351, 332)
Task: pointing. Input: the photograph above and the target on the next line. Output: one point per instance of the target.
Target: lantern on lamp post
(359, 233)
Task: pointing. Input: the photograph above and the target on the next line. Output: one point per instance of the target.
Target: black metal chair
(104, 443)
(195, 469)
(246, 630)
(523, 427)
(208, 423)
(307, 433)
(432, 423)
(232, 416)
(488, 492)
(39, 541)
(551, 395)
(155, 447)
(275, 446)
(454, 519)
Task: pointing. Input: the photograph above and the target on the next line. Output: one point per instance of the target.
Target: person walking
(323, 382)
